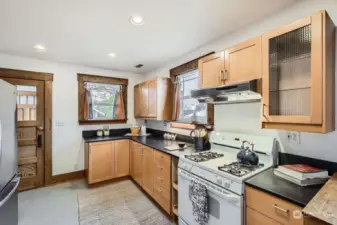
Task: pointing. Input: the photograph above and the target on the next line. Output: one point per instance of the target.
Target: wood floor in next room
(72, 203)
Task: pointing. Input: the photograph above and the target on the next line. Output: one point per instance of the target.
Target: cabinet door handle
(225, 75)
(220, 75)
(281, 209)
(39, 141)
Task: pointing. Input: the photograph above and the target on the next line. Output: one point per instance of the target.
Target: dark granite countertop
(157, 143)
(268, 182)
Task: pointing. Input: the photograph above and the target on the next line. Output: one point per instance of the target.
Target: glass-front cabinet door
(293, 73)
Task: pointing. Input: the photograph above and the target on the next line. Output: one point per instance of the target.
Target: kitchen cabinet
(212, 70)
(122, 158)
(137, 163)
(265, 209)
(101, 164)
(298, 76)
(162, 177)
(107, 160)
(154, 99)
(151, 169)
(147, 169)
(243, 62)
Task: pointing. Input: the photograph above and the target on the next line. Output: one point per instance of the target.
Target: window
(102, 100)
(190, 110)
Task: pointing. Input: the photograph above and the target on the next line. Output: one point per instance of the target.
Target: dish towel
(199, 202)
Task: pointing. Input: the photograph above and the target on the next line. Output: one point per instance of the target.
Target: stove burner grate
(204, 156)
(239, 169)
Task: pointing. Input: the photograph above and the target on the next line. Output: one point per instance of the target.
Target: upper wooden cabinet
(243, 61)
(153, 99)
(298, 75)
(239, 63)
(212, 70)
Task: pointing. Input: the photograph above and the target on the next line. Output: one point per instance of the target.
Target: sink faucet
(248, 142)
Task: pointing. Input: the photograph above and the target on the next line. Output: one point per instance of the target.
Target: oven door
(224, 207)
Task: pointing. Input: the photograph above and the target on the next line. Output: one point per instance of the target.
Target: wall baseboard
(67, 177)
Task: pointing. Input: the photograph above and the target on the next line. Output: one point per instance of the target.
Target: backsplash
(245, 118)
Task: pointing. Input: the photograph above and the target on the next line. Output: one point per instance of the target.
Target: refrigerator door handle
(5, 199)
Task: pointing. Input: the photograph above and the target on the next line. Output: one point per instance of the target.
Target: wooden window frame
(82, 78)
(184, 68)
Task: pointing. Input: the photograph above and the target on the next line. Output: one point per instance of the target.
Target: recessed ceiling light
(40, 48)
(112, 55)
(136, 20)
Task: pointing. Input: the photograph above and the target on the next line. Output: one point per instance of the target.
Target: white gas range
(222, 175)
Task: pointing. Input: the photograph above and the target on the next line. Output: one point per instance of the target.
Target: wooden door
(148, 170)
(152, 104)
(243, 62)
(211, 70)
(136, 163)
(137, 103)
(101, 161)
(144, 99)
(292, 72)
(122, 158)
(30, 131)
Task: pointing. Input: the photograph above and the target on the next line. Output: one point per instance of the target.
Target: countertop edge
(131, 139)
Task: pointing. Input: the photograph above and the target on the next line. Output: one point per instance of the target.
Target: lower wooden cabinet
(101, 161)
(107, 160)
(136, 163)
(147, 170)
(122, 158)
(265, 209)
(151, 169)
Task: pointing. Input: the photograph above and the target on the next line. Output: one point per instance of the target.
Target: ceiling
(86, 31)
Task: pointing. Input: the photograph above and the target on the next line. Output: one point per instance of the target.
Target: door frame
(48, 87)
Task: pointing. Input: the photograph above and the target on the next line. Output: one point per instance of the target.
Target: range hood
(228, 94)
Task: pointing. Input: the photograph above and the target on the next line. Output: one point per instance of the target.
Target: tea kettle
(247, 155)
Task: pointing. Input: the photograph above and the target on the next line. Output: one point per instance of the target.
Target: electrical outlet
(293, 137)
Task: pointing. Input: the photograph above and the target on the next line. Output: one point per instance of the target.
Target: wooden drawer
(162, 196)
(162, 159)
(255, 218)
(273, 207)
(162, 177)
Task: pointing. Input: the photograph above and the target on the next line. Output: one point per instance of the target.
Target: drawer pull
(159, 167)
(160, 190)
(160, 178)
(281, 209)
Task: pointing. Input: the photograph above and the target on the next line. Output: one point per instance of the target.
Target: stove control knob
(219, 181)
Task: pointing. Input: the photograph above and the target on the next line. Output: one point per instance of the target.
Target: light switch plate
(59, 123)
(293, 137)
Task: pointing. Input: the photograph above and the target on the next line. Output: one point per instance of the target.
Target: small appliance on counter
(143, 130)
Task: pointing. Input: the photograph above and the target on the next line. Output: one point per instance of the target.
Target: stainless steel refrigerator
(9, 179)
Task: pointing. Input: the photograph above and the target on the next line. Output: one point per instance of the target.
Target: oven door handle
(225, 195)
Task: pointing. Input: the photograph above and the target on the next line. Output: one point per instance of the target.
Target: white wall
(246, 117)
(68, 145)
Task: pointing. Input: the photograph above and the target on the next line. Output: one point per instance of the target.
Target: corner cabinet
(153, 99)
(298, 76)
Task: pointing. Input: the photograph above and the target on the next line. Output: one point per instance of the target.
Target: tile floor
(54, 205)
